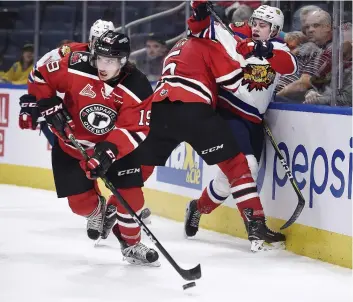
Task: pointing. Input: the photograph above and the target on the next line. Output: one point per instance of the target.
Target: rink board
(321, 160)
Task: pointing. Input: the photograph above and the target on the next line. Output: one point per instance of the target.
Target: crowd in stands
(308, 34)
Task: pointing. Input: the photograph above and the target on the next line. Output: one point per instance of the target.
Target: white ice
(45, 256)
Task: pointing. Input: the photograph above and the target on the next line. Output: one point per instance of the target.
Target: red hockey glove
(104, 155)
(246, 47)
(200, 11)
(56, 115)
(29, 112)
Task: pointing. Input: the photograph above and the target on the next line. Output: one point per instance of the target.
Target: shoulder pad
(64, 50)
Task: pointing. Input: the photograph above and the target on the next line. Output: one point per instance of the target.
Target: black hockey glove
(105, 154)
(29, 113)
(199, 8)
(263, 49)
(56, 115)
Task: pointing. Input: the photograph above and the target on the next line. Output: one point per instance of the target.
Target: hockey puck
(188, 285)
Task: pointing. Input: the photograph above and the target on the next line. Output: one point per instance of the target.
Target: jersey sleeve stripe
(229, 77)
(130, 137)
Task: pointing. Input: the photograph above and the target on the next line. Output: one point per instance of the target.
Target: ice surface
(45, 256)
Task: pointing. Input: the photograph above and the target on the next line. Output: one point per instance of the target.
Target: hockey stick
(189, 275)
(301, 200)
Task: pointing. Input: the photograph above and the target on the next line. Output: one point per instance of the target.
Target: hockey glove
(56, 115)
(263, 49)
(200, 11)
(259, 49)
(29, 113)
(104, 155)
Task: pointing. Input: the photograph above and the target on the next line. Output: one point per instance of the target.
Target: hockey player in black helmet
(110, 55)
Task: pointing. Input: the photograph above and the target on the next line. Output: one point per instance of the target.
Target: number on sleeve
(53, 66)
(145, 118)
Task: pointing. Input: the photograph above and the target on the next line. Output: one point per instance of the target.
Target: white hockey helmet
(98, 28)
(270, 14)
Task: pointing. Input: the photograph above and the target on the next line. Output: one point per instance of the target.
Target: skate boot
(109, 220)
(260, 236)
(95, 220)
(192, 219)
(139, 254)
(111, 217)
(146, 216)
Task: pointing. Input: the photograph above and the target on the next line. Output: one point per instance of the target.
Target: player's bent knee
(83, 204)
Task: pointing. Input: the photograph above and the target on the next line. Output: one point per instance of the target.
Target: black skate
(260, 236)
(95, 220)
(139, 254)
(109, 220)
(192, 219)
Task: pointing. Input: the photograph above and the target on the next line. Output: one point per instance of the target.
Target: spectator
(322, 92)
(20, 70)
(152, 63)
(301, 14)
(317, 28)
(242, 13)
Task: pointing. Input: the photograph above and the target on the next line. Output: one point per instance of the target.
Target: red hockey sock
(85, 203)
(205, 204)
(129, 229)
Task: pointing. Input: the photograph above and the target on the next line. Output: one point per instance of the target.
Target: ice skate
(95, 220)
(139, 254)
(260, 236)
(192, 219)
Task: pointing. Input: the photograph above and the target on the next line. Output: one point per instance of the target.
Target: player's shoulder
(279, 44)
(241, 29)
(78, 62)
(136, 82)
(68, 48)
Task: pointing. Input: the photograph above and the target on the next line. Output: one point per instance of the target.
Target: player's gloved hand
(29, 112)
(263, 49)
(199, 8)
(104, 155)
(57, 116)
(259, 49)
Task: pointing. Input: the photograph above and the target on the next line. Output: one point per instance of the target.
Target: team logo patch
(278, 12)
(65, 50)
(258, 77)
(77, 57)
(98, 119)
(238, 24)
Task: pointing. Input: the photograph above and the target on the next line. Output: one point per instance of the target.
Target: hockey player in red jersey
(244, 108)
(183, 109)
(102, 93)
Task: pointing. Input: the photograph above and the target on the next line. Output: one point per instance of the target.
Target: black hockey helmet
(113, 44)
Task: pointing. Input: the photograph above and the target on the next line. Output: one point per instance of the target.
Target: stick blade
(295, 215)
(191, 274)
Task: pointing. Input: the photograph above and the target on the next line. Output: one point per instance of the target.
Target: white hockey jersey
(260, 77)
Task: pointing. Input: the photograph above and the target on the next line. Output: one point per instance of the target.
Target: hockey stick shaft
(301, 199)
(301, 202)
(189, 275)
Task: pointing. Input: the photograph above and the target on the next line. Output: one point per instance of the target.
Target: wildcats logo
(98, 119)
(258, 77)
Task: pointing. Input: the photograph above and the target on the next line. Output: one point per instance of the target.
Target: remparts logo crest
(98, 119)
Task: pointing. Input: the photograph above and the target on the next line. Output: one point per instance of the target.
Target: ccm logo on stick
(129, 171)
(212, 149)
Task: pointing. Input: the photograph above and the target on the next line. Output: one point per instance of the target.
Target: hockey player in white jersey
(244, 108)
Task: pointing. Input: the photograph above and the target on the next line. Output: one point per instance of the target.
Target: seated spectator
(242, 14)
(20, 70)
(301, 14)
(322, 92)
(152, 63)
(317, 28)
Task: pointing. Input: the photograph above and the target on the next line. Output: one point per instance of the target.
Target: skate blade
(134, 261)
(262, 246)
